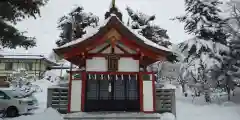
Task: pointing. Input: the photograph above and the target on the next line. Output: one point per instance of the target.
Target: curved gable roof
(113, 22)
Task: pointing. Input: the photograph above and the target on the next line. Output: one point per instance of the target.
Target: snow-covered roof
(7, 55)
(92, 31)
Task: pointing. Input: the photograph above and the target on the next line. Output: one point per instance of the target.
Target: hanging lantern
(95, 76)
(102, 76)
(122, 76)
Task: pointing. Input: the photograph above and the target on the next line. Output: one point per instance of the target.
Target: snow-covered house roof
(21, 56)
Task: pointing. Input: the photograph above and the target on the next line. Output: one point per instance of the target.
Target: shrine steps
(111, 116)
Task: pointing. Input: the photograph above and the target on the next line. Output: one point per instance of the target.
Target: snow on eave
(86, 36)
(145, 40)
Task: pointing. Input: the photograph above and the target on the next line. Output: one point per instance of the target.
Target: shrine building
(114, 77)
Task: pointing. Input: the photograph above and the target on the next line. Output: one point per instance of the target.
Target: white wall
(128, 65)
(124, 64)
(147, 96)
(96, 64)
(76, 96)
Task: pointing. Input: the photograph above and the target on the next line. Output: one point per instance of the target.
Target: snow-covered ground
(42, 96)
(197, 109)
(187, 108)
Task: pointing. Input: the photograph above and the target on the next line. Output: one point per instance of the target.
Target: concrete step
(111, 116)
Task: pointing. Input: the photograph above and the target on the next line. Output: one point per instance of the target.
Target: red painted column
(141, 90)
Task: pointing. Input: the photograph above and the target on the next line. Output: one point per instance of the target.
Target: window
(29, 66)
(4, 96)
(9, 66)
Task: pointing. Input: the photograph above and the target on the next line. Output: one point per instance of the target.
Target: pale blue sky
(44, 28)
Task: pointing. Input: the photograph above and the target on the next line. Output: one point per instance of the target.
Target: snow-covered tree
(82, 21)
(143, 23)
(233, 28)
(146, 28)
(203, 20)
(207, 50)
(22, 82)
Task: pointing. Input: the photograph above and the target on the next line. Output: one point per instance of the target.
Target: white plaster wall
(96, 64)
(128, 65)
(108, 50)
(147, 96)
(76, 95)
(117, 50)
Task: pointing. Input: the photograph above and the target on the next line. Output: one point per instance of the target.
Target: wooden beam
(122, 49)
(104, 48)
(134, 46)
(77, 50)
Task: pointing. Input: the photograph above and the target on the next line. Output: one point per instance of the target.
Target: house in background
(35, 65)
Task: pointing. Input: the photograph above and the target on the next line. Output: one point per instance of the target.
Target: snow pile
(42, 96)
(169, 86)
(167, 116)
(48, 114)
(197, 109)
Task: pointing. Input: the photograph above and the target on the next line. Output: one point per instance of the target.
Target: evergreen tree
(13, 11)
(203, 20)
(207, 50)
(82, 21)
(149, 30)
(234, 29)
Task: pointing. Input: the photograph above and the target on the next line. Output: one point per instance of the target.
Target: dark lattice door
(112, 93)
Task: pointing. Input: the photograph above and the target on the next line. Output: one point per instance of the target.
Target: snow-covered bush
(22, 82)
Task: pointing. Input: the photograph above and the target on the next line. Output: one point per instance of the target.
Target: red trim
(154, 92)
(83, 90)
(90, 55)
(69, 92)
(114, 73)
(79, 49)
(141, 91)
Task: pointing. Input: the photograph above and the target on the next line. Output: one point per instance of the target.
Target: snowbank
(42, 96)
(169, 86)
(48, 114)
(187, 109)
(167, 116)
